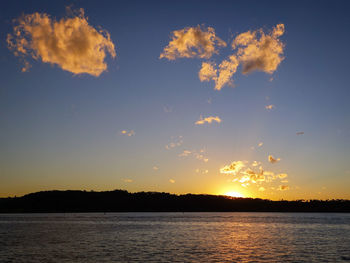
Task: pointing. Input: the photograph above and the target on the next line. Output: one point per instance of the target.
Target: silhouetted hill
(123, 201)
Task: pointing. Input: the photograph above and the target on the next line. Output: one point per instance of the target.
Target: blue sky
(61, 130)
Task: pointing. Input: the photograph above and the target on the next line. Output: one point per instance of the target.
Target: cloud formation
(172, 181)
(251, 174)
(192, 42)
(273, 160)
(71, 43)
(300, 133)
(176, 141)
(209, 119)
(259, 51)
(255, 51)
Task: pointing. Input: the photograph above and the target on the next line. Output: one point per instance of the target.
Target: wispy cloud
(128, 133)
(175, 142)
(172, 181)
(300, 133)
(185, 153)
(71, 43)
(260, 144)
(127, 180)
(209, 119)
(198, 155)
(192, 42)
(156, 168)
(272, 159)
(205, 171)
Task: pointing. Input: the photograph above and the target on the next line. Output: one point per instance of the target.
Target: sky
(244, 98)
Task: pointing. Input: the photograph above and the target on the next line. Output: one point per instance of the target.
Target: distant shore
(123, 201)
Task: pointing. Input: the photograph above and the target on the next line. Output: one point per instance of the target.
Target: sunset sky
(217, 97)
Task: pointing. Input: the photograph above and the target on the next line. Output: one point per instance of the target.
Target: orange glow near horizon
(234, 194)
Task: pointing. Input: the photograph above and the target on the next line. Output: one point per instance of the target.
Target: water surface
(175, 237)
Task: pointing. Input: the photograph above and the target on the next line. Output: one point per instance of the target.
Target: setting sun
(234, 194)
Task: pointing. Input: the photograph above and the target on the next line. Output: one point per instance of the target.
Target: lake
(175, 237)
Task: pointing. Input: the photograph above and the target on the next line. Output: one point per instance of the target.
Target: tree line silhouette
(123, 201)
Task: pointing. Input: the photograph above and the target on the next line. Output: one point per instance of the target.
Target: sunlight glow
(233, 194)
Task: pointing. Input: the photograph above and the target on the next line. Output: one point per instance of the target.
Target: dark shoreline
(122, 201)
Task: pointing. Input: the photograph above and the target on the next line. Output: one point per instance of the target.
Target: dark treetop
(123, 201)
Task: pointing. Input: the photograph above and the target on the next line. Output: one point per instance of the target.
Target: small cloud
(283, 187)
(262, 189)
(260, 144)
(156, 168)
(192, 42)
(198, 156)
(209, 100)
(300, 133)
(273, 160)
(127, 180)
(172, 181)
(128, 133)
(209, 119)
(176, 142)
(270, 107)
(185, 153)
(282, 176)
(71, 43)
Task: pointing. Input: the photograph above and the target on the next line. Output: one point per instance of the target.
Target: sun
(233, 194)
